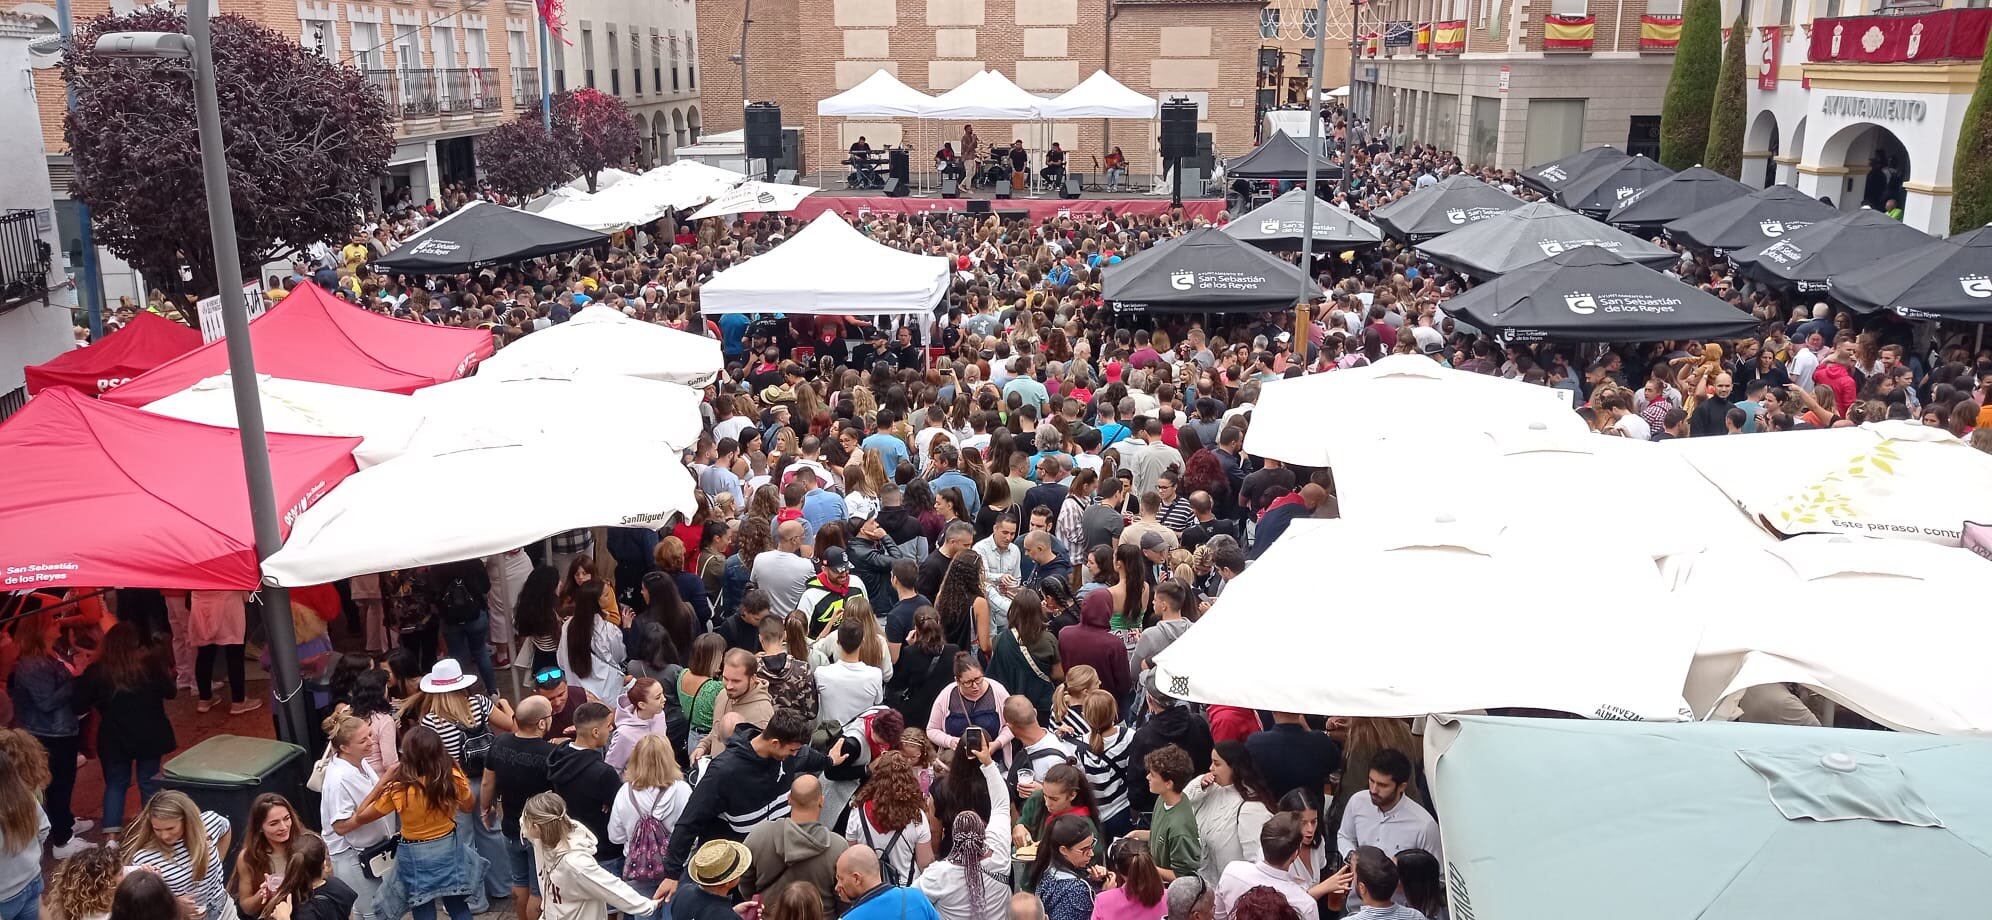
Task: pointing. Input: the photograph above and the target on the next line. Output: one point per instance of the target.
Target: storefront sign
(1397, 33)
(1874, 108)
(1767, 68)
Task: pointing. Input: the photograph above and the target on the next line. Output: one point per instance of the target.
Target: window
(1555, 129)
(1643, 137)
(1269, 22)
(1490, 17)
(1784, 12)
(445, 48)
(1663, 7)
(559, 65)
(517, 49)
(615, 63)
(635, 61)
(476, 48)
(408, 49)
(656, 61)
(692, 72)
(1310, 21)
(674, 61)
(366, 46)
(1569, 8)
(1484, 134)
(588, 57)
(321, 36)
(1444, 113)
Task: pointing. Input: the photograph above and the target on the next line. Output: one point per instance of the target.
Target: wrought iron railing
(25, 258)
(525, 86)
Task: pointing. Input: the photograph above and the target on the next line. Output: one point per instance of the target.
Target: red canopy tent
(102, 495)
(311, 335)
(146, 342)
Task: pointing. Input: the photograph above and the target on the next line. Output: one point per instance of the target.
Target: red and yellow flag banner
(1659, 33)
(1569, 33)
(1423, 37)
(1449, 37)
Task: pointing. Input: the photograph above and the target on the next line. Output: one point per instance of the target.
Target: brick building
(801, 51)
(1511, 83)
(1286, 50)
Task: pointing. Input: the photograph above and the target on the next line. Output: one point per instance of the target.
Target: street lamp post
(1309, 288)
(198, 46)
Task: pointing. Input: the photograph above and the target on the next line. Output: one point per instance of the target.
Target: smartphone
(973, 738)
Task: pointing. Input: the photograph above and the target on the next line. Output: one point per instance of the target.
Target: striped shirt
(1073, 727)
(453, 734)
(1177, 515)
(1106, 771)
(178, 869)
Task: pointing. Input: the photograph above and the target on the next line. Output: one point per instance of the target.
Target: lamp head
(145, 45)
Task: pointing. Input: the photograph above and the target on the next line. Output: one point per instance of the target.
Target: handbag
(317, 781)
(378, 860)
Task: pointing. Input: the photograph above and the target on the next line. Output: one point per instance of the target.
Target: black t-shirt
(695, 903)
(899, 622)
(519, 766)
(1290, 757)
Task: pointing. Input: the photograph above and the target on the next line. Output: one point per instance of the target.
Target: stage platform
(853, 202)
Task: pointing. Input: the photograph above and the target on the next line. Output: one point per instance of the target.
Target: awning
(1679, 195)
(311, 335)
(146, 342)
(1098, 96)
(1550, 177)
(880, 95)
(1589, 294)
(1610, 184)
(1203, 271)
(1281, 157)
(1944, 279)
(1808, 260)
(1530, 234)
(385, 421)
(1445, 206)
(481, 234)
(828, 267)
(1751, 222)
(100, 495)
(601, 340)
(1280, 225)
(755, 196)
(680, 185)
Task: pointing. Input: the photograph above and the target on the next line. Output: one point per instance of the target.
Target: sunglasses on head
(548, 676)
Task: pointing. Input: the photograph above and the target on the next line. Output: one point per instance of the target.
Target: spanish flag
(1449, 37)
(1659, 33)
(1424, 37)
(1569, 33)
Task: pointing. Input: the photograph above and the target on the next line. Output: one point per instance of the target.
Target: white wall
(39, 330)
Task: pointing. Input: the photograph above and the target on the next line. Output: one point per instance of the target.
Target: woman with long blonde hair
(184, 845)
(1068, 712)
(564, 857)
(653, 787)
(857, 609)
(1104, 757)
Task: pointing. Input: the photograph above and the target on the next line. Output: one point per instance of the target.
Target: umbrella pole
(1308, 286)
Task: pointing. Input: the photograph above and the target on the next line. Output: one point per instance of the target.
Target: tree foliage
(1691, 89)
(303, 134)
(520, 159)
(1971, 200)
(1732, 105)
(600, 132)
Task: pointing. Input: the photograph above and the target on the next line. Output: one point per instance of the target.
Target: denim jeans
(525, 871)
(346, 868)
(61, 785)
(455, 904)
(117, 778)
(470, 644)
(24, 905)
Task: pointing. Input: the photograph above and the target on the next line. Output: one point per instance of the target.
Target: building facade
(35, 295)
(1286, 50)
(644, 51)
(801, 51)
(1862, 108)
(1509, 83)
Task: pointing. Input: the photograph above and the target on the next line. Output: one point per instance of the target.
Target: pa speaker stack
(950, 187)
(898, 173)
(764, 131)
(1179, 130)
(1073, 183)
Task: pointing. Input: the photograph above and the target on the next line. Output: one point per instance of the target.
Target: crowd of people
(900, 660)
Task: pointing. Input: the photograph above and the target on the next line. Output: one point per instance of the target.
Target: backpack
(643, 856)
(886, 869)
(794, 688)
(459, 605)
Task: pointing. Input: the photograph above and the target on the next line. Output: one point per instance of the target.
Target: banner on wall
(1397, 33)
(1424, 37)
(1659, 33)
(1767, 65)
(1569, 33)
(1449, 37)
(1957, 34)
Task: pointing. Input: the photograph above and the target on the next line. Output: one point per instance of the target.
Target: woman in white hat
(573, 885)
(465, 722)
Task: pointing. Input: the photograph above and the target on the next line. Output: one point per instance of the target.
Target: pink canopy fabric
(311, 335)
(146, 342)
(100, 495)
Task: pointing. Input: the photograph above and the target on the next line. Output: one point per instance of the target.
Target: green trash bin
(225, 774)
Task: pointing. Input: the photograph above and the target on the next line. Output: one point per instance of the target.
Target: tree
(304, 136)
(1691, 89)
(520, 159)
(1971, 202)
(1732, 105)
(602, 132)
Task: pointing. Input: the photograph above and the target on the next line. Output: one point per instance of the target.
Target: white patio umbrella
(1305, 420)
(1888, 628)
(755, 195)
(386, 421)
(607, 178)
(1899, 480)
(422, 510)
(1355, 620)
(1537, 482)
(647, 197)
(486, 411)
(600, 340)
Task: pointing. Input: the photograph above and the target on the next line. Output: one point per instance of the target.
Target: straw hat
(720, 862)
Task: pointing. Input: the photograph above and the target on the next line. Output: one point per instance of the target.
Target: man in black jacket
(744, 786)
(1169, 722)
(586, 780)
(743, 629)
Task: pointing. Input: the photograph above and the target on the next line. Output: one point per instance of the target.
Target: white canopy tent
(880, 95)
(988, 94)
(1887, 628)
(491, 411)
(423, 510)
(1306, 419)
(387, 422)
(1543, 644)
(828, 267)
(600, 340)
(607, 178)
(1098, 96)
(758, 196)
(1899, 480)
(647, 197)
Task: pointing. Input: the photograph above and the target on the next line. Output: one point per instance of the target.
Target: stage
(852, 203)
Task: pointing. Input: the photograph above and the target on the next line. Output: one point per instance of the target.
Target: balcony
(469, 89)
(25, 259)
(525, 86)
(1902, 37)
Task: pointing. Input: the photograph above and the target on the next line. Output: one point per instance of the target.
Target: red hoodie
(1842, 382)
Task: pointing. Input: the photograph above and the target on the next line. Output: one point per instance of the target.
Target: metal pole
(287, 686)
(1349, 108)
(546, 79)
(1309, 288)
(92, 283)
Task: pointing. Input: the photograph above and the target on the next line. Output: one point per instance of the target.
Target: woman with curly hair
(963, 606)
(889, 815)
(84, 885)
(753, 537)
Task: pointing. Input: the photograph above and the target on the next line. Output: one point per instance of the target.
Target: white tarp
(600, 340)
(1888, 628)
(423, 510)
(880, 95)
(1304, 420)
(640, 200)
(756, 196)
(386, 422)
(988, 94)
(607, 178)
(1899, 480)
(1098, 96)
(1584, 629)
(828, 267)
(606, 409)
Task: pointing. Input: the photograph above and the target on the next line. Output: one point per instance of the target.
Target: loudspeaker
(950, 187)
(899, 165)
(978, 206)
(1179, 130)
(895, 188)
(1008, 215)
(1073, 183)
(764, 131)
(1003, 189)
